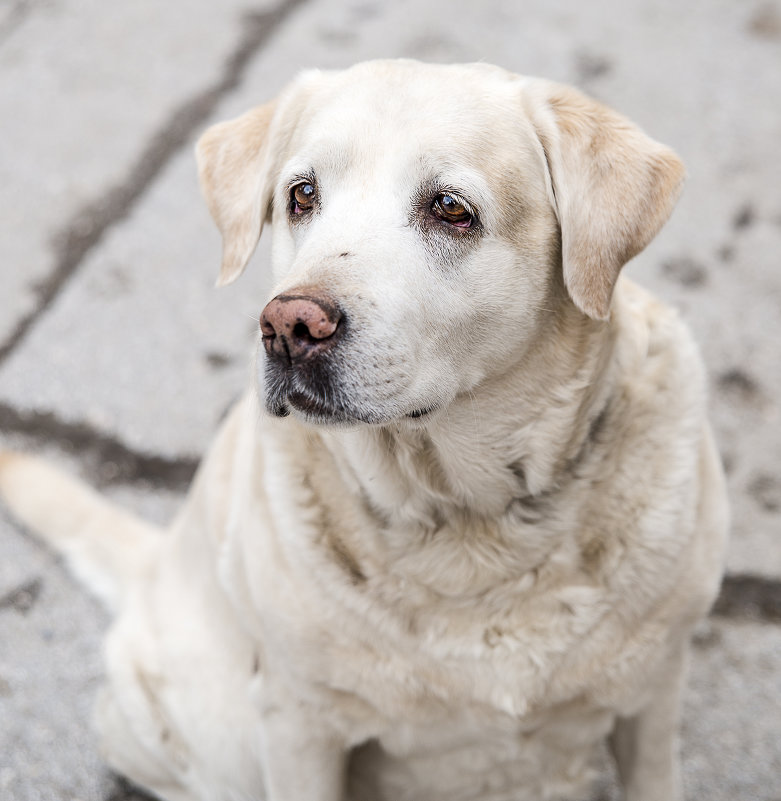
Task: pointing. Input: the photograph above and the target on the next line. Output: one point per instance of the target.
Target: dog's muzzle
(301, 332)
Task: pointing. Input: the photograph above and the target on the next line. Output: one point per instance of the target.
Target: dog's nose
(298, 326)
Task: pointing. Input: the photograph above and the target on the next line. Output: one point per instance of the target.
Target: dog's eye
(302, 198)
(450, 209)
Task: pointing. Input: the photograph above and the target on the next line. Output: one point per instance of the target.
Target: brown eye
(302, 198)
(450, 209)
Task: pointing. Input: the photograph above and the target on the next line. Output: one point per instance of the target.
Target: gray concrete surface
(118, 358)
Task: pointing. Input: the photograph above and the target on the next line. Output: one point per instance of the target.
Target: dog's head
(429, 222)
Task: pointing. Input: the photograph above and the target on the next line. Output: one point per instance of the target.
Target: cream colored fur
(455, 606)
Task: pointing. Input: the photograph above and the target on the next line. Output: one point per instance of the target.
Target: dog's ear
(232, 171)
(612, 188)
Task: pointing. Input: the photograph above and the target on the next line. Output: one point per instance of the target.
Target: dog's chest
(441, 641)
(402, 638)
(454, 695)
(505, 661)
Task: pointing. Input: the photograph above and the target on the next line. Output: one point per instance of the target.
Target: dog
(459, 532)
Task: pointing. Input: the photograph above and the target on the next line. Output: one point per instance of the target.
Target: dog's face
(428, 223)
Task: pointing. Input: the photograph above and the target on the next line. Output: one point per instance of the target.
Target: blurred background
(118, 358)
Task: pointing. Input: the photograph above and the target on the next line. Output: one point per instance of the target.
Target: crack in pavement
(88, 226)
(106, 459)
(125, 790)
(748, 597)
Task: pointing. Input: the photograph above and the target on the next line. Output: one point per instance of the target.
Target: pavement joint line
(124, 790)
(77, 238)
(749, 597)
(107, 459)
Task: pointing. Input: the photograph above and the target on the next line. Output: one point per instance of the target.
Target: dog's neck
(507, 439)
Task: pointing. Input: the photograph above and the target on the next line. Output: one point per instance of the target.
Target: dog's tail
(106, 547)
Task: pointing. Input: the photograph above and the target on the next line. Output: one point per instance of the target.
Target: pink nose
(297, 326)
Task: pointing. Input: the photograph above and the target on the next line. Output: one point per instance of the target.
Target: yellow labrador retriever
(460, 532)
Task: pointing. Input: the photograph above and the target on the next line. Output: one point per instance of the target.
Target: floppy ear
(232, 170)
(612, 188)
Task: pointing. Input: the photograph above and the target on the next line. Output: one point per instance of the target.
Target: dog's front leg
(645, 746)
(303, 758)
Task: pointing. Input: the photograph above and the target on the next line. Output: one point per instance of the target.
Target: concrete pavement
(118, 358)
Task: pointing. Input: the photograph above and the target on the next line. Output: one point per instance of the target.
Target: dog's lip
(318, 410)
(309, 405)
(418, 413)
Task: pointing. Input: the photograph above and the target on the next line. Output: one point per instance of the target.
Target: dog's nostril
(300, 331)
(266, 328)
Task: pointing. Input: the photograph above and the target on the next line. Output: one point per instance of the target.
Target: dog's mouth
(319, 401)
(418, 413)
(317, 410)
(313, 409)
(310, 394)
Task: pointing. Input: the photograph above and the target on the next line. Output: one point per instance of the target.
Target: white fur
(455, 606)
